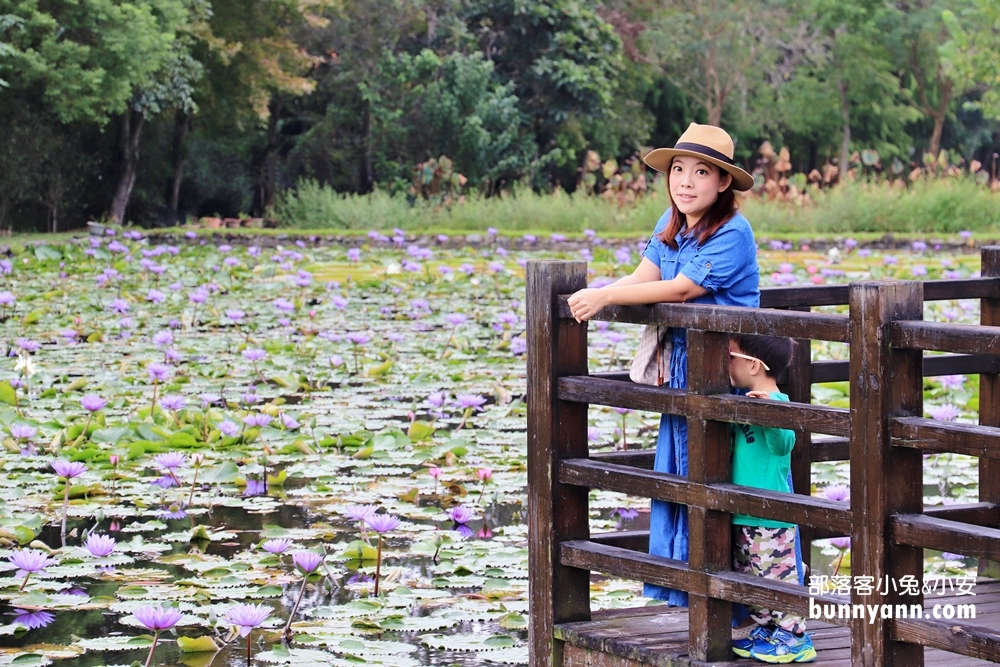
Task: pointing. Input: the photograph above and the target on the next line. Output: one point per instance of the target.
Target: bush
(932, 206)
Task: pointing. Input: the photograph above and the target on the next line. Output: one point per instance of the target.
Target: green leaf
(225, 473)
(47, 252)
(196, 644)
(32, 317)
(359, 550)
(7, 393)
(111, 435)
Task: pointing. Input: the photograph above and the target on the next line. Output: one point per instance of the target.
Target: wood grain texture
(719, 496)
(556, 430)
(728, 319)
(989, 399)
(885, 383)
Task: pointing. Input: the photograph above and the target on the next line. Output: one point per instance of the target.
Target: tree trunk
(263, 163)
(367, 179)
(182, 126)
(845, 144)
(939, 116)
(131, 130)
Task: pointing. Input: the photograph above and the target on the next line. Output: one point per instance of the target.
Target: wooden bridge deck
(659, 636)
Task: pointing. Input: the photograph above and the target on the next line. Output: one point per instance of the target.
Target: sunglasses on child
(747, 356)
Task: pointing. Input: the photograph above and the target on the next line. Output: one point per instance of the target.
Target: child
(762, 459)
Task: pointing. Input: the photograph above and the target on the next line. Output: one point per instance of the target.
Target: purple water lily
(68, 469)
(32, 620)
(159, 372)
(381, 523)
(228, 428)
(29, 561)
(461, 514)
(23, 431)
(277, 546)
(93, 403)
(170, 460)
(307, 561)
(246, 617)
(157, 619)
(99, 545)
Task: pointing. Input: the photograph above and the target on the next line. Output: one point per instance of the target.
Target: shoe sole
(740, 652)
(806, 656)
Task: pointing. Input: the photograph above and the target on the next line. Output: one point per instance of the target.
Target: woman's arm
(644, 286)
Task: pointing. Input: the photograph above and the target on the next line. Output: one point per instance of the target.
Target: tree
(563, 59)
(426, 106)
(972, 55)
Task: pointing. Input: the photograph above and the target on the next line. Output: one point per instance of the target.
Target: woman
(703, 251)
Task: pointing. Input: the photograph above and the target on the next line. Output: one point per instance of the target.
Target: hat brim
(659, 159)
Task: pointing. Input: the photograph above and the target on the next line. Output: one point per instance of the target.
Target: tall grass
(942, 206)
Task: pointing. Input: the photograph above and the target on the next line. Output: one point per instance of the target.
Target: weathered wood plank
(556, 430)
(885, 383)
(946, 337)
(836, 295)
(936, 436)
(708, 462)
(719, 407)
(824, 448)
(720, 497)
(731, 586)
(933, 533)
(954, 635)
(989, 399)
(934, 365)
(727, 319)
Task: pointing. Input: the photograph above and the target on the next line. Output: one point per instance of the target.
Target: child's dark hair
(775, 351)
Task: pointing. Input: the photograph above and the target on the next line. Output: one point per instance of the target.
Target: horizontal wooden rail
(790, 507)
(936, 436)
(836, 295)
(728, 319)
(945, 337)
(979, 514)
(934, 365)
(731, 586)
(823, 448)
(957, 636)
(720, 407)
(919, 530)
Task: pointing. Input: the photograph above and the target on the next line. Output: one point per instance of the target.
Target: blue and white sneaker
(782, 647)
(741, 647)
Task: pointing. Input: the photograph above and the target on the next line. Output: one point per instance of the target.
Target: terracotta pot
(212, 223)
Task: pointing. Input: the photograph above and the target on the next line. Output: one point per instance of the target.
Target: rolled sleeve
(725, 258)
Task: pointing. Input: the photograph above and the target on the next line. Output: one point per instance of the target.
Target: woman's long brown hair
(721, 211)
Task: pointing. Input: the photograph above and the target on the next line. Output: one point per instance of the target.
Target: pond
(230, 416)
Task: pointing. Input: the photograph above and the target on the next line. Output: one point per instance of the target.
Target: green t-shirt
(762, 458)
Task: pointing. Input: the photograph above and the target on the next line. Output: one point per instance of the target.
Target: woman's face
(695, 185)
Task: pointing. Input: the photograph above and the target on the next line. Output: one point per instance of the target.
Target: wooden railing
(883, 434)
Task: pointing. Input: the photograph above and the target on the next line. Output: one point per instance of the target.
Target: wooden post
(556, 430)
(989, 409)
(710, 620)
(885, 383)
(798, 386)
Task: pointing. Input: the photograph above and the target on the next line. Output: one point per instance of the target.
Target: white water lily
(25, 366)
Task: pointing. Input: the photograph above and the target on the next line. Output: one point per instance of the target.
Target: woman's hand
(586, 303)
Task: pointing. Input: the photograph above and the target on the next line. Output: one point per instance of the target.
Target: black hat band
(706, 151)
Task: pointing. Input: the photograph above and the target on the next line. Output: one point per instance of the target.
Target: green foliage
(426, 106)
(934, 206)
(973, 52)
(88, 57)
(942, 206)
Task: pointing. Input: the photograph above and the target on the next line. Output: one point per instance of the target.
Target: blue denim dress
(727, 267)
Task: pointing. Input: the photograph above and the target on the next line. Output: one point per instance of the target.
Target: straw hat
(710, 143)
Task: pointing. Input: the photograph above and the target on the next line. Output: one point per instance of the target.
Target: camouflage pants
(769, 553)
